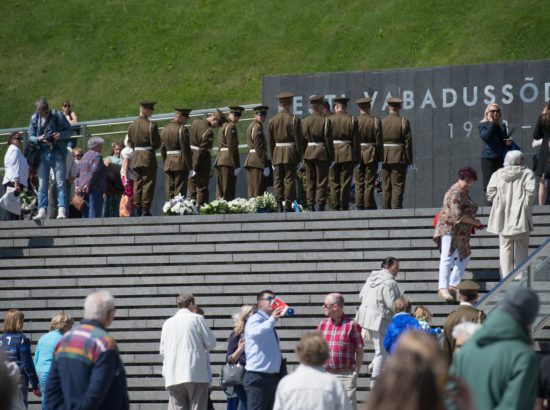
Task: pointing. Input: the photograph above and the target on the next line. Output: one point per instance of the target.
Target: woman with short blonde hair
(494, 136)
(17, 349)
(43, 356)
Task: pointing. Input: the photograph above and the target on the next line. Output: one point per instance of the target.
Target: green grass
(104, 56)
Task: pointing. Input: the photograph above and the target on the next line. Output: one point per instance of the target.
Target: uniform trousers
(188, 396)
(365, 177)
(226, 180)
(257, 183)
(393, 185)
(340, 176)
(513, 251)
(284, 182)
(260, 390)
(144, 186)
(446, 262)
(349, 380)
(317, 180)
(176, 183)
(380, 354)
(198, 185)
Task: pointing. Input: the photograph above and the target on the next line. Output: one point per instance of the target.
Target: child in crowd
(424, 317)
(402, 322)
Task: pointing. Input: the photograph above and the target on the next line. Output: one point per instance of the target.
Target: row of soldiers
(333, 148)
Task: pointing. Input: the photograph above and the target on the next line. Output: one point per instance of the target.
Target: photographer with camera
(51, 131)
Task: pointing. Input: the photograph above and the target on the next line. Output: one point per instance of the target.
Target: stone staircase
(224, 260)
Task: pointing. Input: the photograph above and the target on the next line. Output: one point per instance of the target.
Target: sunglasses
(17, 138)
(66, 105)
(494, 111)
(78, 156)
(236, 114)
(269, 298)
(262, 113)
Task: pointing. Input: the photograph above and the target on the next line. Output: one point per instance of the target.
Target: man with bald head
(345, 344)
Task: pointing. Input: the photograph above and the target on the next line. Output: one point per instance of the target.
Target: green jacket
(498, 365)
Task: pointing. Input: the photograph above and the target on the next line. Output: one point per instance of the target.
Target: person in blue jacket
(43, 355)
(17, 348)
(50, 130)
(402, 322)
(494, 136)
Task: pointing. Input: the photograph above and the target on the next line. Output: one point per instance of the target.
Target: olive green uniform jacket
(317, 129)
(285, 128)
(144, 133)
(228, 138)
(344, 127)
(255, 139)
(175, 137)
(370, 138)
(464, 313)
(397, 130)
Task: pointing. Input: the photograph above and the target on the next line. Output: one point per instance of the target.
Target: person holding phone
(494, 136)
(263, 354)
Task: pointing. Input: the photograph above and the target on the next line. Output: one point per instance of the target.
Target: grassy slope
(104, 56)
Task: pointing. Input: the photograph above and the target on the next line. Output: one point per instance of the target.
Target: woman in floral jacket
(453, 230)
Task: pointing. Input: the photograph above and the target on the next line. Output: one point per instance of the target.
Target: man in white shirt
(310, 386)
(183, 343)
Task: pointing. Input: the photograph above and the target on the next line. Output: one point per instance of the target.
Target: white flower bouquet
(180, 206)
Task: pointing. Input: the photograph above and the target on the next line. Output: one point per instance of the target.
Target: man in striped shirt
(345, 344)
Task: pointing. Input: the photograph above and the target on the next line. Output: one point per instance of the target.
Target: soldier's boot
(138, 211)
(322, 207)
(145, 212)
(345, 207)
(288, 206)
(280, 206)
(311, 208)
(360, 208)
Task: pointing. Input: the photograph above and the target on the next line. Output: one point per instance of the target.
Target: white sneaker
(61, 213)
(41, 214)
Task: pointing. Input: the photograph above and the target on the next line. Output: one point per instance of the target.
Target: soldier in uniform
(286, 145)
(319, 153)
(396, 156)
(466, 312)
(201, 138)
(176, 153)
(370, 138)
(257, 167)
(346, 154)
(144, 138)
(227, 162)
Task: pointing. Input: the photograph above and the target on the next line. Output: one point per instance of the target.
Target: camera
(50, 140)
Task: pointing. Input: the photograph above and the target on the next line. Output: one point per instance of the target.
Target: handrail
(84, 125)
(127, 120)
(512, 276)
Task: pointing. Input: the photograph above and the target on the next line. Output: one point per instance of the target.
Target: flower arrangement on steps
(265, 203)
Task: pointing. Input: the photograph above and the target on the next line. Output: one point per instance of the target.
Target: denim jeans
(56, 161)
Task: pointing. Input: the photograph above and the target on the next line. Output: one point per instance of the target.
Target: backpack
(32, 154)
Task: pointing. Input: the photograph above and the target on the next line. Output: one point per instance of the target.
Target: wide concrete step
(50, 266)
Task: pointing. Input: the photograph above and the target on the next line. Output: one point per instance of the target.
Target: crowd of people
(492, 364)
(333, 149)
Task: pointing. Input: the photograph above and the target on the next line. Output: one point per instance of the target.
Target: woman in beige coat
(378, 295)
(511, 191)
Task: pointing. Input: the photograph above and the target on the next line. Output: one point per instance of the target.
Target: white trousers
(512, 252)
(380, 354)
(446, 276)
